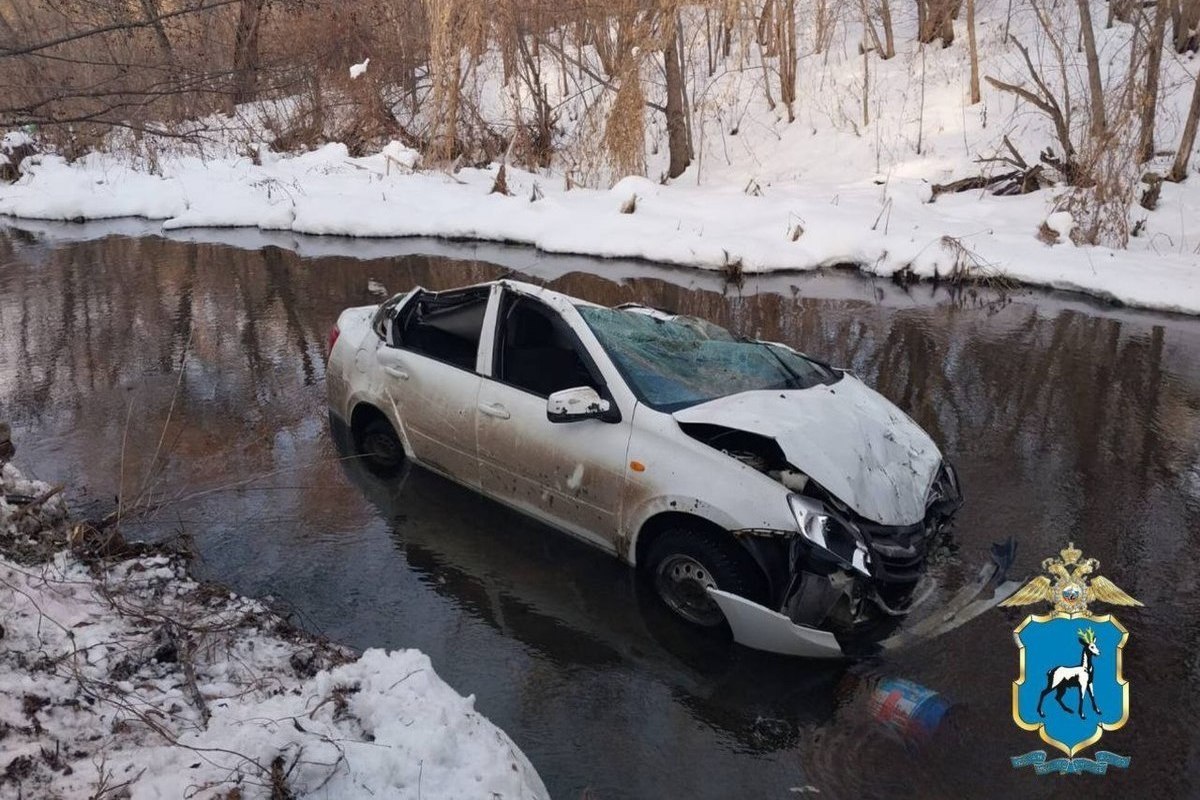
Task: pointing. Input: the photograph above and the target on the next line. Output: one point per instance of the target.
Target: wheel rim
(682, 582)
(382, 448)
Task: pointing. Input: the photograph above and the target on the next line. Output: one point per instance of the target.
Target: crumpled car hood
(847, 437)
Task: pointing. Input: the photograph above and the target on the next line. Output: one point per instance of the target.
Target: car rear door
(431, 372)
(571, 475)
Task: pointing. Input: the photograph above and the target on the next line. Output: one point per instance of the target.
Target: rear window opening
(445, 326)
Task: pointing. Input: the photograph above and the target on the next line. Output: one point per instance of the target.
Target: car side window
(446, 326)
(536, 350)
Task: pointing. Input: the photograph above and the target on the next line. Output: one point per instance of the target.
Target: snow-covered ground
(790, 226)
(829, 188)
(120, 676)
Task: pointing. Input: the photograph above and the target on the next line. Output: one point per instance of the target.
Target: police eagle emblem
(1079, 654)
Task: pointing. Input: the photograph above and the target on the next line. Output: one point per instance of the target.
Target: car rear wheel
(379, 446)
(684, 564)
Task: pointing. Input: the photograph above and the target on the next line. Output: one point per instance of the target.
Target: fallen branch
(36, 503)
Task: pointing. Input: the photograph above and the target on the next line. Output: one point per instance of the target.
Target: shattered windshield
(672, 362)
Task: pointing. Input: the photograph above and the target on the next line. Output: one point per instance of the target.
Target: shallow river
(1067, 421)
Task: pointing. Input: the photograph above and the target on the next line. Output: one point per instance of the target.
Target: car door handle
(494, 410)
(396, 372)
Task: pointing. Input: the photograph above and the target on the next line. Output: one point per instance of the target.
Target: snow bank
(794, 226)
(123, 672)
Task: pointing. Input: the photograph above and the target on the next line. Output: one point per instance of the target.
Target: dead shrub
(624, 129)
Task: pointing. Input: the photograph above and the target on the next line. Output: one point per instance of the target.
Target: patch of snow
(359, 69)
(129, 672)
(1062, 223)
(14, 139)
(399, 154)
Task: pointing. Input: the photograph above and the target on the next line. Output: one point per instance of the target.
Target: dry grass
(625, 128)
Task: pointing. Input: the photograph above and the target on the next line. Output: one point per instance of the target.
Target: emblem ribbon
(1070, 766)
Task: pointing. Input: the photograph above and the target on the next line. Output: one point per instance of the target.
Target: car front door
(430, 367)
(570, 474)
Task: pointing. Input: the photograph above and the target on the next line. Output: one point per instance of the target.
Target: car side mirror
(579, 403)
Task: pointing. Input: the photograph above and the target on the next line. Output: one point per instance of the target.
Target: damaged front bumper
(758, 627)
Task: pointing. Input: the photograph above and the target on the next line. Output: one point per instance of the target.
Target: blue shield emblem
(1070, 687)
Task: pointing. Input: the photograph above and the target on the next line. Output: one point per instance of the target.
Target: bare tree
(1095, 85)
(889, 36)
(975, 94)
(1188, 141)
(1153, 71)
(1058, 112)
(245, 51)
(887, 47)
(678, 144)
(1121, 11)
(785, 37)
(935, 19)
(1185, 18)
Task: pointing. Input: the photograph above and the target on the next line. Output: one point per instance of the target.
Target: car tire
(683, 562)
(380, 448)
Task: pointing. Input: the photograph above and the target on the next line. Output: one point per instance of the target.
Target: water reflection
(1066, 420)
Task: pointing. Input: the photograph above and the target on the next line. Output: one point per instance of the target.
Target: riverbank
(121, 675)
(881, 229)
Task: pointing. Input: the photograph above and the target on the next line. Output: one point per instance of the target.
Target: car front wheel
(684, 564)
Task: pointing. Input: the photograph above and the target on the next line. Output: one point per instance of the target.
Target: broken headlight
(830, 533)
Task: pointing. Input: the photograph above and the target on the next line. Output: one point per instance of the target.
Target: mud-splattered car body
(811, 501)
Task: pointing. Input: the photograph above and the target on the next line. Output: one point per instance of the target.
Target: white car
(750, 483)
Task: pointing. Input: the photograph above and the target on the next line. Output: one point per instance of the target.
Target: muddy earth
(1067, 420)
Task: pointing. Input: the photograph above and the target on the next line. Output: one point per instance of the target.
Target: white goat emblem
(1059, 679)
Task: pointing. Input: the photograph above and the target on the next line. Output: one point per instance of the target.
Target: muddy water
(1067, 420)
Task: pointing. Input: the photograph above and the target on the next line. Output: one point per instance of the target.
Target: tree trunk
(765, 26)
(935, 19)
(889, 36)
(949, 13)
(1188, 141)
(1153, 68)
(975, 94)
(1185, 15)
(245, 51)
(677, 136)
(1121, 10)
(150, 9)
(163, 42)
(1095, 85)
(785, 34)
(866, 109)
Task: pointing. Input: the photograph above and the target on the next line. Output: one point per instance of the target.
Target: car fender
(672, 504)
(388, 406)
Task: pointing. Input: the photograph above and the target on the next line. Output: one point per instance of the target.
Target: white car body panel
(683, 475)
(437, 405)
(845, 436)
(570, 475)
(763, 629)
